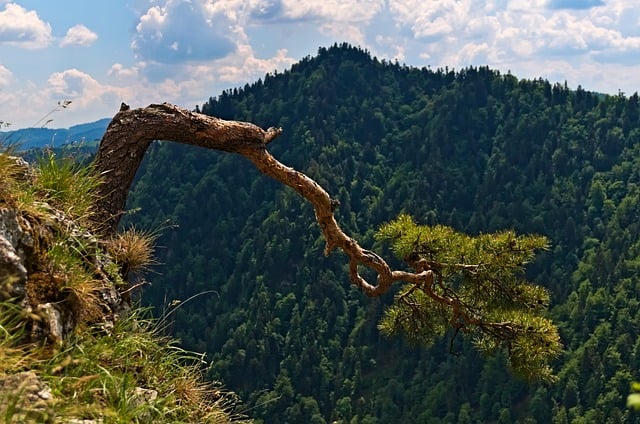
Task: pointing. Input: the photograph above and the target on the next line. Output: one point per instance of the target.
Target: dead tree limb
(132, 130)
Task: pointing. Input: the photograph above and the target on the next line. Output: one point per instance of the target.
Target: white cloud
(187, 50)
(5, 75)
(22, 28)
(341, 20)
(85, 92)
(343, 31)
(474, 53)
(182, 31)
(184, 49)
(396, 47)
(71, 83)
(173, 33)
(563, 34)
(231, 10)
(27, 104)
(483, 28)
(457, 33)
(333, 10)
(431, 18)
(118, 70)
(245, 66)
(525, 6)
(79, 35)
(151, 22)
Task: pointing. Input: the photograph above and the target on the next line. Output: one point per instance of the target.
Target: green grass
(99, 374)
(127, 373)
(102, 373)
(67, 185)
(9, 176)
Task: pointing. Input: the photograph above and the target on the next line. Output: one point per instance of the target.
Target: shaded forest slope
(474, 149)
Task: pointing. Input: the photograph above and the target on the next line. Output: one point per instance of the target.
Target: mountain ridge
(28, 138)
(474, 149)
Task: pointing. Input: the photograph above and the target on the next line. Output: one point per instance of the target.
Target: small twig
(135, 286)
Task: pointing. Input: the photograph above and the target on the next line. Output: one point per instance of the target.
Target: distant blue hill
(28, 138)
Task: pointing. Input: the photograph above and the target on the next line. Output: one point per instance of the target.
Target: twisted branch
(132, 130)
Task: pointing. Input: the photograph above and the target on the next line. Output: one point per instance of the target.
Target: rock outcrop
(49, 309)
(29, 280)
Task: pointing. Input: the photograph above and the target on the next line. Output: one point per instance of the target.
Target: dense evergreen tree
(474, 150)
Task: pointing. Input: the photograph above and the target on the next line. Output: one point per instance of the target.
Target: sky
(68, 62)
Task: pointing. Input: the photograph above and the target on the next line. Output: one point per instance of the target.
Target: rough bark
(132, 130)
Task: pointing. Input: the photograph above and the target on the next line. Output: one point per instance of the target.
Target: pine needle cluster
(478, 289)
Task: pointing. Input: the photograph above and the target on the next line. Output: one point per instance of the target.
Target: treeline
(475, 149)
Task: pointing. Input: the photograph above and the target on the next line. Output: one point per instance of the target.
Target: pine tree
(473, 284)
(476, 287)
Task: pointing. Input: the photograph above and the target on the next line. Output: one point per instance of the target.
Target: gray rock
(29, 396)
(20, 237)
(53, 320)
(13, 240)
(142, 396)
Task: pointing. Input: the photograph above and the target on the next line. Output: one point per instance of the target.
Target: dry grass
(133, 250)
(70, 270)
(10, 171)
(94, 374)
(13, 356)
(107, 370)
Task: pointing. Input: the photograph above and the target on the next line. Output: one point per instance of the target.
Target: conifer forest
(241, 274)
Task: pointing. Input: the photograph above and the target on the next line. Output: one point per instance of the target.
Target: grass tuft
(13, 356)
(130, 374)
(134, 374)
(67, 185)
(133, 250)
(10, 171)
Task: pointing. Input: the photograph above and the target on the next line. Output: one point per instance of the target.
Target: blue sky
(98, 54)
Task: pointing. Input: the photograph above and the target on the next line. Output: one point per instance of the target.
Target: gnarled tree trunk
(530, 340)
(131, 132)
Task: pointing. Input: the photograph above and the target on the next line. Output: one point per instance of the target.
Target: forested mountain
(475, 149)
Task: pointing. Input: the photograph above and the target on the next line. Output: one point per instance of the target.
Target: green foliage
(499, 257)
(633, 400)
(66, 254)
(12, 356)
(477, 290)
(101, 373)
(420, 317)
(67, 184)
(474, 150)
(9, 170)
(127, 373)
